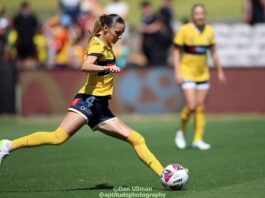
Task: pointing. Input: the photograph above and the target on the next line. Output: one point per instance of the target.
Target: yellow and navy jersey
(194, 44)
(99, 83)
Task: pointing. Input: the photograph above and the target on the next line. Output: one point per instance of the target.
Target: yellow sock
(199, 123)
(40, 138)
(138, 142)
(184, 118)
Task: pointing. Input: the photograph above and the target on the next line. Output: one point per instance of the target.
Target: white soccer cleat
(180, 140)
(4, 149)
(201, 145)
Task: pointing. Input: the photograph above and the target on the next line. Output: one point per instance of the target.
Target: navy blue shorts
(95, 109)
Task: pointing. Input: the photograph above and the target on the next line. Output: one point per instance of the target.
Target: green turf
(91, 163)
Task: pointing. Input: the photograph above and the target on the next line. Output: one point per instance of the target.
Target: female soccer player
(90, 105)
(192, 42)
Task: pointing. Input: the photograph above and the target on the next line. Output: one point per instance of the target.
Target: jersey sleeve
(179, 38)
(95, 48)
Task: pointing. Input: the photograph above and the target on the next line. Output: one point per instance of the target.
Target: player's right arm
(89, 66)
(176, 58)
(178, 44)
(94, 51)
(247, 5)
(216, 60)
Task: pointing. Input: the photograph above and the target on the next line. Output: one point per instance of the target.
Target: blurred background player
(90, 105)
(70, 8)
(3, 31)
(254, 11)
(26, 25)
(119, 7)
(192, 42)
(156, 30)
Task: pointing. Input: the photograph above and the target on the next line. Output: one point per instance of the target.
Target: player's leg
(189, 92)
(117, 128)
(199, 128)
(188, 109)
(68, 127)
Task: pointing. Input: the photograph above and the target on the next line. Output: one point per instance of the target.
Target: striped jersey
(99, 83)
(194, 44)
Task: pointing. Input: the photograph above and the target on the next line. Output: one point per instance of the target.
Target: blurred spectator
(167, 13)
(76, 53)
(163, 40)
(121, 8)
(49, 28)
(65, 42)
(89, 11)
(62, 43)
(11, 35)
(3, 32)
(40, 42)
(254, 11)
(85, 21)
(71, 8)
(157, 35)
(147, 37)
(26, 24)
(91, 6)
(118, 7)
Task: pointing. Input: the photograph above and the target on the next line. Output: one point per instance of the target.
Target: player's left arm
(215, 58)
(216, 61)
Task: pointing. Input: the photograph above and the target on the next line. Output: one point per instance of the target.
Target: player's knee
(59, 136)
(58, 141)
(140, 140)
(136, 139)
(200, 107)
(191, 107)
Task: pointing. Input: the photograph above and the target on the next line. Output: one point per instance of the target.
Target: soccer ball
(174, 177)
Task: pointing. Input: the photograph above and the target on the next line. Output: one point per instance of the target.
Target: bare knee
(191, 107)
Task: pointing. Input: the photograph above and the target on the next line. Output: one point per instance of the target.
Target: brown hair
(197, 5)
(105, 20)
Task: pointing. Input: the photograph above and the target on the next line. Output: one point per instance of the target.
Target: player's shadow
(101, 187)
(96, 187)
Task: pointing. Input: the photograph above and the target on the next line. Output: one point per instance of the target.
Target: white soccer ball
(174, 177)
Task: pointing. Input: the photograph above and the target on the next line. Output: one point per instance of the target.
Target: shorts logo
(83, 108)
(75, 101)
(90, 101)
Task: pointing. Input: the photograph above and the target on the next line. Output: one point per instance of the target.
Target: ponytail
(97, 28)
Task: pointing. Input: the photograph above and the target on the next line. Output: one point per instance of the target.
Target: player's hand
(179, 79)
(114, 69)
(221, 77)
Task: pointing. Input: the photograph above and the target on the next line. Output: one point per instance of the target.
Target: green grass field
(92, 163)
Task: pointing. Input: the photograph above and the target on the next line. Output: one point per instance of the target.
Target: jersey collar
(197, 29)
